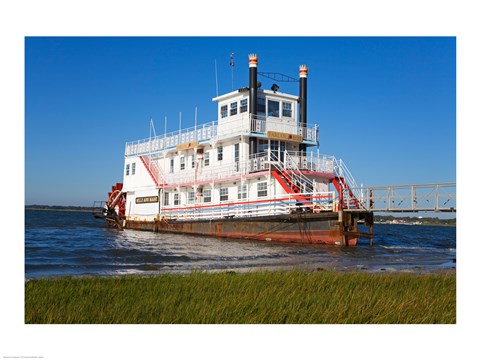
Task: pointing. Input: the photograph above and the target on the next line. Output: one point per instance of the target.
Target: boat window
(223, 194)
(207, 195)
(282, 149)
(242, 192)
(236, 152)
(262, 146)
(233, 108)
(182, 162)
(262, 189)
(243, 105)
(274, 150)
(236, 156)
(166, 198)
(287, 109)
(127, 170)
(193, 161)
(191, 197)
(273, 108)
(176, 199)
(171, 166)
(261, 106)
(207, 158)
(224, 111)
(220, 153)
(133, 168)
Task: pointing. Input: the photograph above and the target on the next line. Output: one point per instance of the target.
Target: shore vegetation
(290, 297)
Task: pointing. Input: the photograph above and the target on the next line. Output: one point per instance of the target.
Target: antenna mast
(232, 64)
(152, 128)
(216, 76)
(195, 127)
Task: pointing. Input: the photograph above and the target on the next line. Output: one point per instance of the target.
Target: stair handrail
(155, 170)
(294, 171)
(340, 170)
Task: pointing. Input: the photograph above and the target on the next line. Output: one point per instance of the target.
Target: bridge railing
(439, 197)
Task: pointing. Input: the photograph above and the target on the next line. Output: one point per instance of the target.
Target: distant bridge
(440, 197)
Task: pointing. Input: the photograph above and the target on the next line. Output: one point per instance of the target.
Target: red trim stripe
(184, 207)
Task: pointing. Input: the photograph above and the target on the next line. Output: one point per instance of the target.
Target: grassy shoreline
(293, 297)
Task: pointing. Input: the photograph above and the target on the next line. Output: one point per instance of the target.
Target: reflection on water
(75, 244)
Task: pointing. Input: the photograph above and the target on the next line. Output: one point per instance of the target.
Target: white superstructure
(248, 162)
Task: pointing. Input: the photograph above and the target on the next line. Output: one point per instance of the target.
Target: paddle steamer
(250, 174)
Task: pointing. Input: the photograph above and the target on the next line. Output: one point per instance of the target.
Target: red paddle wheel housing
(117, 200)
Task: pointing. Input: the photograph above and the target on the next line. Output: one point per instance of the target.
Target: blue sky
(385, 105)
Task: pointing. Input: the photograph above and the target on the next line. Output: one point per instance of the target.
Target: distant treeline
(378, 218)
(416, 220)
(58, 207)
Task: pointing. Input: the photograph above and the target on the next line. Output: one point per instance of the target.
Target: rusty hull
(322, 228)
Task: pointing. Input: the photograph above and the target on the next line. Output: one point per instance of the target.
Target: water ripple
(62, 243)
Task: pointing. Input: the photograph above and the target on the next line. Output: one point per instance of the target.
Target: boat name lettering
(186, 146)
(146, 199)
(283, 136)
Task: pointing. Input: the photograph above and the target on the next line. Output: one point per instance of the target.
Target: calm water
(74, 243)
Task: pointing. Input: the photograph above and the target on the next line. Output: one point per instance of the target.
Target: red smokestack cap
(303, 71)
(253, 60)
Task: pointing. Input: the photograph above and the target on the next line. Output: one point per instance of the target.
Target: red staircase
(346, 202)
(153, 171)
(289, 186)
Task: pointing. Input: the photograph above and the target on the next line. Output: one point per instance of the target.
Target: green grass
(293, 297)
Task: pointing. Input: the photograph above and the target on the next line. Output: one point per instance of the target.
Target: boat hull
(292, 228)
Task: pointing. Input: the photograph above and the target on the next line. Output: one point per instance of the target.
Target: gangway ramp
(439, 197)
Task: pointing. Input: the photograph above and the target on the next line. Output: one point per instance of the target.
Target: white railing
(294, 161)
(340, 170)
(201, 173)
(311, 162)
(409, 198)
(160, 143)
(277, 205)
(243, 124)
(209, 173)
(154, 169)
(262, 124)
(293, 171)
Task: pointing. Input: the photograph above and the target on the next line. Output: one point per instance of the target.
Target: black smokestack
(253, 60)
(303, 100)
